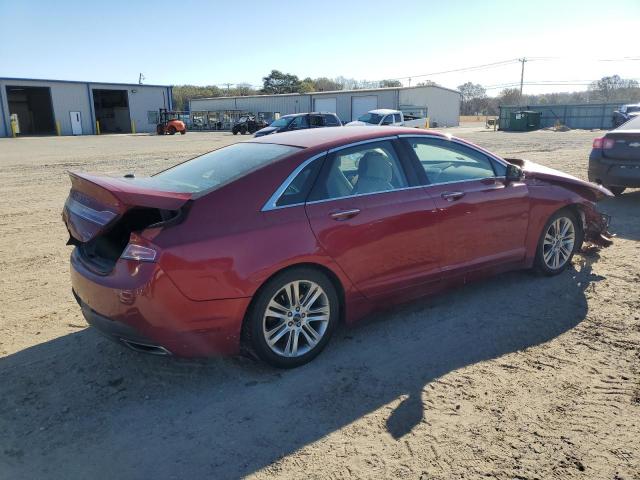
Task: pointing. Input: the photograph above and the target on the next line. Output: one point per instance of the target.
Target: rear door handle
(451, 196)
(345, 214)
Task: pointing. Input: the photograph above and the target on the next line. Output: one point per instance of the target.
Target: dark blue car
(301, 121)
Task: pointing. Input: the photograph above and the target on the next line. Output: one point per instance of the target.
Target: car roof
(383, 111)
(326, 138)
(290, 115)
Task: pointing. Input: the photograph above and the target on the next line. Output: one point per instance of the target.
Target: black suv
(300, 121)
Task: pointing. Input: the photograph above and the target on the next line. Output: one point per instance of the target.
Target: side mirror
(514, 173)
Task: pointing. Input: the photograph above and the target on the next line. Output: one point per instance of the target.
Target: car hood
(266, 131)
(536, 172)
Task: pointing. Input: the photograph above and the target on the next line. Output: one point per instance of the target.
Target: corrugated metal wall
(77, 97)
(586, 116)
(443, 104)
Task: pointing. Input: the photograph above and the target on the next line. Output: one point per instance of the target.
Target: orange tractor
(169, 122)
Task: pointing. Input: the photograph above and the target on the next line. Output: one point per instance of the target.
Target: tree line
(278, 82)
(475, 100)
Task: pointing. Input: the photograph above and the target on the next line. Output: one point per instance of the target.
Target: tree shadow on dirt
(625, 212)
(82, 407)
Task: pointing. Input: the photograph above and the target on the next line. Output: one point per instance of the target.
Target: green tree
(390, 83)
(614, 88)
(324, 84)
(474, 98)
(183, 93)
(278, 82)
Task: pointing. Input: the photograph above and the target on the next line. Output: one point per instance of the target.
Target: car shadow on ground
(82, 407)
(625, 212)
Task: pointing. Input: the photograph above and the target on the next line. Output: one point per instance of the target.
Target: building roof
(361, 90)
(14, 79)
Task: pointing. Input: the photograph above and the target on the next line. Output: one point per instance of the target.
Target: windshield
(282, 122)
(215, 169)
(372, 118)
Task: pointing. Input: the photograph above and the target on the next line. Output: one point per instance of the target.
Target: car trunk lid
(626, 146)
(96, 203)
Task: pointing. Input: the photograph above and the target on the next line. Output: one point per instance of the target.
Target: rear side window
(396, 118)
(297, 191)
(445, 161)
(360, 170)
(215, 169)
(331, 121)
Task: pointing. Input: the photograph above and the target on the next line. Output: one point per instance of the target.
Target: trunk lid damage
(101, 213)
(596, 225)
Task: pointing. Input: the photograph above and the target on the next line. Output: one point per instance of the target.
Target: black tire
(182, 132)
(617, 191)
(243, 130)
(254, 337)
(172, 130)
(539, 263)
(160, 129)
(234, 131)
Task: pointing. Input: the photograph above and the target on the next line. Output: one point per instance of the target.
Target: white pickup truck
(386, 116)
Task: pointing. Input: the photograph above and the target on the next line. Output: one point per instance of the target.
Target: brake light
(603, 143)
(137, 252)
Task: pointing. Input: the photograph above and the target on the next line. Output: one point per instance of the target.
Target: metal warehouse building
(50, 107)
(441, 105)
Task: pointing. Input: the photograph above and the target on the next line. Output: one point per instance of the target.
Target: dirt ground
(516, 377)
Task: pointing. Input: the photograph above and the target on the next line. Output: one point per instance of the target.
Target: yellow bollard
(13, 128)
(58, 128)
(97, 127)
(426, 123)
(133, 126)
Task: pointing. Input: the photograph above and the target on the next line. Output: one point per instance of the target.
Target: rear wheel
(243, 130)
(293, 317)
(561, 237)
(616, 190)
(172, 130)
(183, 131)
(160, 130)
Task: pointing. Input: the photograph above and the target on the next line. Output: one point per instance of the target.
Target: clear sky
(211, 42)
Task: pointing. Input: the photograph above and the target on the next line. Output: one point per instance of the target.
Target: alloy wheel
(296, 318)
(558, 243)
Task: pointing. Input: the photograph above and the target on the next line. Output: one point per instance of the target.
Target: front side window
(360, 170)
(300, 122)
(388, 120)
(215, 169)
(444, 161)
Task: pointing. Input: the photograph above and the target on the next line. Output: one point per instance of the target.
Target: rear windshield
(217, 168)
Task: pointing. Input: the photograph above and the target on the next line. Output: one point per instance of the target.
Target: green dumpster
(524, 121)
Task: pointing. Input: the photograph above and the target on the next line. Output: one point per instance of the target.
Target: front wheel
(172, 130)
(292, 318)
(561, 237)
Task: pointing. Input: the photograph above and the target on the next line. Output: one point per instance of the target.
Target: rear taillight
(140, 253)
(603, 143)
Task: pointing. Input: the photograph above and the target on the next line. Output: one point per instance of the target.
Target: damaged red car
(267, 245)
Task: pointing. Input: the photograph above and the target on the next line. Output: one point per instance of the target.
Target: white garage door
(324, 105)
(361, 105)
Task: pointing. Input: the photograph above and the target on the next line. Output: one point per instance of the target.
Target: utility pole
(228, 85)
(141, 77)
(523, 60)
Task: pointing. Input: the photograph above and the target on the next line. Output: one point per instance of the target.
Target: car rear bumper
(138, 305)
(614, 173)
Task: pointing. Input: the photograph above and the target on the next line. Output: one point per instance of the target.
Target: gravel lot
(515, 377)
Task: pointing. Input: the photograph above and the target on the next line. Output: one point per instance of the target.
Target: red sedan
(270, 243)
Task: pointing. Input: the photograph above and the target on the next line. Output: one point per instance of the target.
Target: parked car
(301, 121)
(625, 113)
(248, 124)
(386, 116)
(615, 158)
(271, 243)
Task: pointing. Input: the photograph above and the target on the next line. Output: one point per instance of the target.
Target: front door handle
(345, 214)
(451, 196)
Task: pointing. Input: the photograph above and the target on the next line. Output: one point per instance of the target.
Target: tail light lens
(140, 253)
(603, 143)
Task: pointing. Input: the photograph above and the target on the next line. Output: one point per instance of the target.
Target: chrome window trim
(271, 204)
(362, 142)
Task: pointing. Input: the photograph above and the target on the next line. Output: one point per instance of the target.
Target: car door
(483, 218)
(299, 123)
(370, 214)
